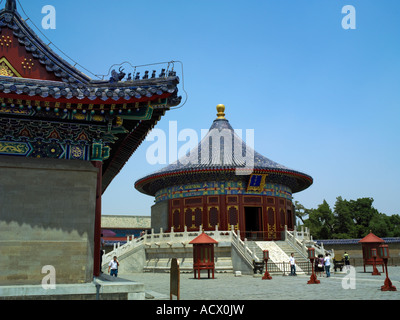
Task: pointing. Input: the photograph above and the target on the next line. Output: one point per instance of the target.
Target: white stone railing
(121, 251)
(243, 248)
(302, 240)
(154, 240)
(179, 239)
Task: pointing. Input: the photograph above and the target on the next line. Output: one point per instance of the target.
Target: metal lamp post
(311, 256)
(384, 254)
(266, 274)
(375, 271)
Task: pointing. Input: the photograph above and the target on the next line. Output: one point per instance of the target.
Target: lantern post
(266, 258)
(375, 272)
(384, 254)
(311, 256)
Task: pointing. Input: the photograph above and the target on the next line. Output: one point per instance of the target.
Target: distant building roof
(371, 238)
(354, 241)
(125, 222)
(203, 239)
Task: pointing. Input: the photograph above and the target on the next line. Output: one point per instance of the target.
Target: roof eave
(141, 184)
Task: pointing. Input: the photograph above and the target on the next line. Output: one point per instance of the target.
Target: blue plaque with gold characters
(256, 182)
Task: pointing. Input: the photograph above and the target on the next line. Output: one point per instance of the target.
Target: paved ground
(356, 285)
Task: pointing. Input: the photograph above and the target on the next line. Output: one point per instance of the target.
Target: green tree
(379, 225)
(362, 214)
(300, 211)
(349, 219)
(394, 225)
(344, 226)
(320, 221)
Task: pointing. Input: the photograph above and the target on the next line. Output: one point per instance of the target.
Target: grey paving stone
(225, 286)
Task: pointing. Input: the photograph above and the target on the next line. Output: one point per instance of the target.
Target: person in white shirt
(327, 262)
(292, 263)
(113, 265)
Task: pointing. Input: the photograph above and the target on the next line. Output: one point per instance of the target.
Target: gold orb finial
(221, 111)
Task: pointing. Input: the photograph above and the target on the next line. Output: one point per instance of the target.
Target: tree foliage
(348, 219)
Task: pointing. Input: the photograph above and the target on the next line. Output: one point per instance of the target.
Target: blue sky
(321, 99)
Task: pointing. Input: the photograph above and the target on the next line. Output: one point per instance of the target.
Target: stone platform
(104, 287)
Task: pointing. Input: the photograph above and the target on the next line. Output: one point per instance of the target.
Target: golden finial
(221, 111)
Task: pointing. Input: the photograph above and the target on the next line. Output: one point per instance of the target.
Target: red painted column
(97, 219)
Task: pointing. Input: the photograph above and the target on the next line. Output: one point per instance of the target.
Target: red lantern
(311, 253)
(311, 256)
(384, 253)
(375, 271)
(266, 274)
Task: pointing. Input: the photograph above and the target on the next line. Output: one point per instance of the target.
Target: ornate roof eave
(44, 91)
(139, 102)
(54, 91)
(127, 147)
(79, 84)
(33, 44)
(147, 185)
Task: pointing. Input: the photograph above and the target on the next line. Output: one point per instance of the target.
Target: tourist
(320, 265)
(292, 263)
(327, 263)
(346, 260)
(113, 266)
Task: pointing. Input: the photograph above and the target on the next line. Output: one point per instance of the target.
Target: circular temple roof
(222, 155)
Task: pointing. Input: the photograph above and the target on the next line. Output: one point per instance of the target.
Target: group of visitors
(322, 264)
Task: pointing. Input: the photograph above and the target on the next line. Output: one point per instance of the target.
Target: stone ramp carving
(277, 255)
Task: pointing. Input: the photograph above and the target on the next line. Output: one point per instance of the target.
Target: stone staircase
(288, 249)
(279, 253)
(154, 252)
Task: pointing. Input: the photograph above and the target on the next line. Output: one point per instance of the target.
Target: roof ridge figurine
(11, 5)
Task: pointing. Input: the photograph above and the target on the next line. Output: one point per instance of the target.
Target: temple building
(224, 183)
(63, 139)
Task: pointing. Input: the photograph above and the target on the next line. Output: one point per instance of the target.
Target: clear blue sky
(321, 99)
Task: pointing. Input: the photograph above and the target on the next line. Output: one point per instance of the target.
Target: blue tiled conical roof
(222, 155)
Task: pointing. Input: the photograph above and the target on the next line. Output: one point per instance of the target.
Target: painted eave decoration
(38, 86)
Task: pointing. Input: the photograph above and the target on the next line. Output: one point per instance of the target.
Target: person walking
(320, 265)
(327, 263)
(346, 260)
(113, 266)
(292, 263)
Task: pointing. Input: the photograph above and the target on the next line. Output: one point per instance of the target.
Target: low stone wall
(355, 253)
(125, 222)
